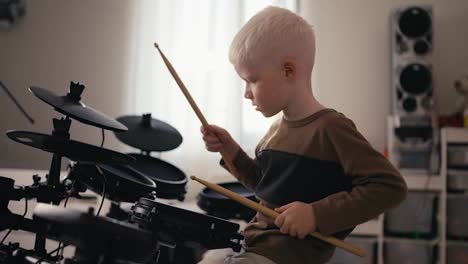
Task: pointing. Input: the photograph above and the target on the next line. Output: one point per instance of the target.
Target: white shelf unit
(449, 135)
(420, 180)
(416, 180)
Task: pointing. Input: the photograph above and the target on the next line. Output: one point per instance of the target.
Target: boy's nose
(247, 93)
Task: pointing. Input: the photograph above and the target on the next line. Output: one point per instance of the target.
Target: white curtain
(195, 36)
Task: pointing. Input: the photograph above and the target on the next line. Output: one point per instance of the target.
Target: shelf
(456, 134)
(372, 227)
(432, 241)
(423, 182)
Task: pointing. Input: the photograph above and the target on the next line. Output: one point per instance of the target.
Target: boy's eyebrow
(248, 78)
(245, 79)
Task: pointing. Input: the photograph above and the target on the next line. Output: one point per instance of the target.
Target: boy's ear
(289, 69)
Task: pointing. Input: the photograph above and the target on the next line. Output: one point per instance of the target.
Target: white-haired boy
(312, 166)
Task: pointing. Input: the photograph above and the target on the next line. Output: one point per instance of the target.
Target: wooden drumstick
(272, 214)
(226, 156)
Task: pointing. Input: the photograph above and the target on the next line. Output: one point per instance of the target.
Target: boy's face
(265, 87)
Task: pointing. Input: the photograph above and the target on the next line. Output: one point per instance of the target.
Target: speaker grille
(414, 22)
(415, 79)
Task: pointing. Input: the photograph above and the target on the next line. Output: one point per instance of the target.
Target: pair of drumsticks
(226, 157)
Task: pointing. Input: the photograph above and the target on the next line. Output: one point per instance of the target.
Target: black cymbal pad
(148, 134)
(74, 150)
(72, 106)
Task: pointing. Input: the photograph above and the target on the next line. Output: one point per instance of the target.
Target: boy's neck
(303, 105)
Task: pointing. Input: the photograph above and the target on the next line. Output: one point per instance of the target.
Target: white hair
(274, 34)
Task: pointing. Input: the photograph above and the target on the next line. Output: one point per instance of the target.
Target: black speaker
(10, 12)
(414, 136)
(412, 81)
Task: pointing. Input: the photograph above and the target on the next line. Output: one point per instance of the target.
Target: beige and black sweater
(322, 160)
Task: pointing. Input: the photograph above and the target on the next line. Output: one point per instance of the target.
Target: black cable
(49, 255)
(103, 137)
(24, 214)
(57, 249)
(9, 231)
(103, 189)
(103, 176)
(68, 193)
(425, 203)
(25, 207)
(60, 252)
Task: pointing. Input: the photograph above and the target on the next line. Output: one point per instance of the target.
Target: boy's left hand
(296, 219)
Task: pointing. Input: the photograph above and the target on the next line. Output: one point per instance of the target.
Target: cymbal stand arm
(52, 192)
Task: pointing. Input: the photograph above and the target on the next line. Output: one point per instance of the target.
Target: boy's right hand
(217, 138)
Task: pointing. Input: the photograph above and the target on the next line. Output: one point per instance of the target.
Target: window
(195, 36)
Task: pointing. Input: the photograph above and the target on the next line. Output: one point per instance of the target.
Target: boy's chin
(267, 114)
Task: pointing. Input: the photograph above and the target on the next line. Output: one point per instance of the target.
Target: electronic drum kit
(151, 231)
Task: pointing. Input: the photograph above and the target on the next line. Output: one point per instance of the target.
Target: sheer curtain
(195, 36)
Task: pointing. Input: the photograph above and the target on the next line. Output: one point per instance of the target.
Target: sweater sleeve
(248, 169)
(376, 184)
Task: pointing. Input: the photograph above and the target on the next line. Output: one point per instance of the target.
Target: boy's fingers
(279, 210)
(214, 144)
(284, 229)
(210, 129)
(216, 147)
(283, 208)
(279, 221)
(214, 133)
(211, 140)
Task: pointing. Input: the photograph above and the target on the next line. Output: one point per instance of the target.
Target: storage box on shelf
(398, 250)
(457, 180)
(457, 252)
(369, 244)
(411, 229)
(457, 216)
(416, 217)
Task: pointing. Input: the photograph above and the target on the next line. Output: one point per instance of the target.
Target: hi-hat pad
(72, 106)
(149, 134)
(95, 238)
(74, 150)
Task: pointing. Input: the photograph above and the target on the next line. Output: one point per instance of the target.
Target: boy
(312, 166)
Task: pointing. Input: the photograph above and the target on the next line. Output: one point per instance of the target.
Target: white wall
(55, 43)
(91, 42)
(353, 56)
